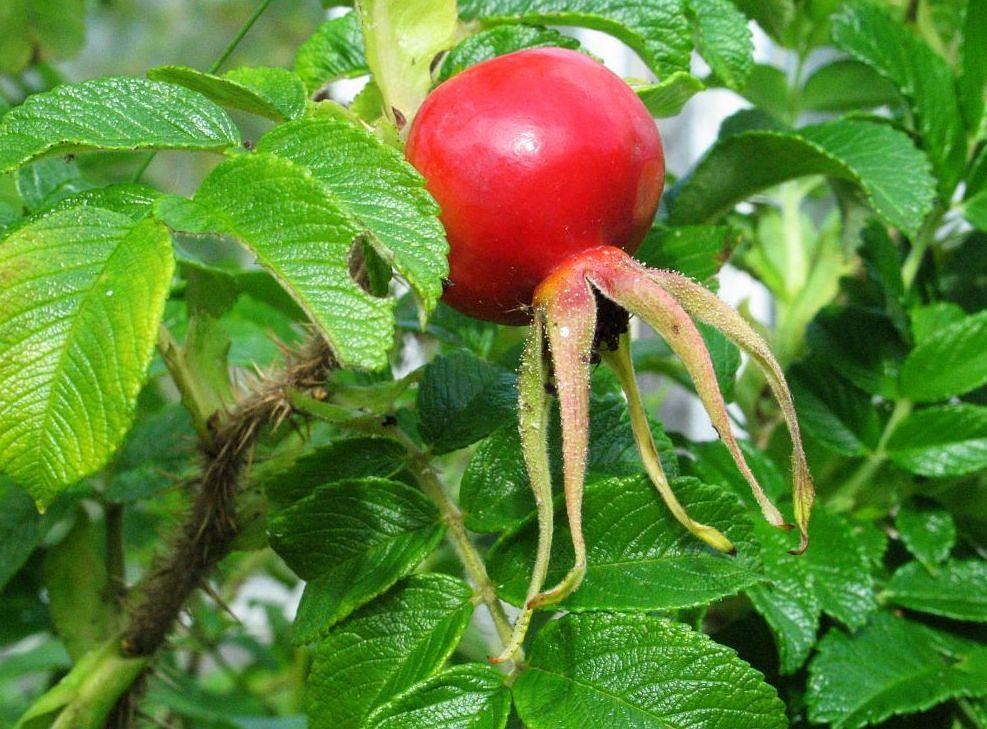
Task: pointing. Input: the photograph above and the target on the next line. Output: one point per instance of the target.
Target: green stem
(846, 496)
(909, 269)
(192, 398)
(217, 64)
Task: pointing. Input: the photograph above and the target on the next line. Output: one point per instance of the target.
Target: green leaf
(467, 696)
(890, 667)
(834, 412)
(604, 670)
(847, 85)
(333, 52)
(46, 181)
(83, 292)
(54, 29)
(972, 80)
(639, 556)
(658, 31)
(462, 399)
(723, 40)
(931, 318)
(883, 161)
(928, 533)
(275, 93)
(500, 41)
(950, 440)
(833, 576)
(81, 599)
(385, 648)
(975, 210)
(767, 89)
(860, 344)
(774, 16)
(113, 114)
(372, 183)
(301, 235)
(697, 251)
(351, 540)
(948, 362)
(668, 96)
(20, 529)
(924, 78)
(957, 590)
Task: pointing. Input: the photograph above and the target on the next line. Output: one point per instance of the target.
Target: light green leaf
(56, 29)
(834, 412)
(20, 529)
(81, 598)
(924, 78)
(385, 648)
(333, 52)
(668, 96)
(352, 540)
(499, 41)
(462, 399)
(890, 667)
(975, 210)
(605, 670)
(723, 40)
(467, 696)
(972, 82)
(275, 93)
(82, 294)
(928, 319)
(774, 16)
(301, 235)
(883, 161)
(957, 590)
(134, 201)
(114, 114)
(767, 89)
(950, 440)
(372, 183)
(949, 362)
(657, 31)
(639, 556)
(928, 533)
(402, 39)
(847, 85)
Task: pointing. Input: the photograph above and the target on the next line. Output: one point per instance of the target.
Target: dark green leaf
(47, 181)
(658, 32)
(134, 201)
(606, 670)
(500, 41)
(847, 85)
(767, 89)
(697, 251)
(975, 210)
(463, 399)
(468, 696)
(639, 556)
(834, 412)
(385, 648)
(957, 590)
(950, 361)
(928, 532)
(883, 161)
(53, 29)
(275, 93)
(950, 440)
(890, 667)
(115, 114)
(972, 80)
(872, 36)
(723, 39)
(333, 52)
(352, 540)
(20, 529)
(82, 296)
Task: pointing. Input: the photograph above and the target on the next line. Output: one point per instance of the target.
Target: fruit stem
(620, 362)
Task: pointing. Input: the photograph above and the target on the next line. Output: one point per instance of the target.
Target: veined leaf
(883, 161)
(467, 696)
(950, 361)
(134, 201)
(639, 556)
(928, 533)
(499, 41)
(352, 540)
(892, 666)
(657, 31)
(957, 590)
(385, 648)
(606, 670)
(723, 40)
(299, 233)
(847, 85)
(113, 114)
(837, 414)
(333, 52)
(46, 181)
(668, 96)
(950, 440)
(83, 292)
(872, 36)
(372, 183)
(697, 251)
(275, 93)
(20, 529)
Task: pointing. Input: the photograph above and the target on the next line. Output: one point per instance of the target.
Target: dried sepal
(705, 306)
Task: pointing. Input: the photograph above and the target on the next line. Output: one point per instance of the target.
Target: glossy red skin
(534, 157)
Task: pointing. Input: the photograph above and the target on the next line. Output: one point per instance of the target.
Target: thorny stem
(846, 496)
(217, 64)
